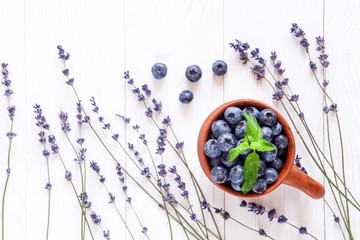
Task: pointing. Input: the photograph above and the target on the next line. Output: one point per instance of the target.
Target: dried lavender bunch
(11, 113)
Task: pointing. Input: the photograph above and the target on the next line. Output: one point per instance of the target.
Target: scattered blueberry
(267, 133)
(219, 67)
(240, 129)
(219, 174)
(281, 142)
(267, 117)
(260, 186)
(186, 96)
(225, 160)
(193, 73)
(159, 70)
(215, 161)
(271, 175)
(277, 164)
(233, 115)
(219, 127)
(262, 168)
(236, 187)
(252, 111)
(276, 129)
(236, 174)
(226, 142)
(269, 155)
(211, 149)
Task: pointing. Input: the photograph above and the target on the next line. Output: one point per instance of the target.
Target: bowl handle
(300, 180)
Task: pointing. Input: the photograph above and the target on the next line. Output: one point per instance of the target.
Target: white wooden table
(105, 38)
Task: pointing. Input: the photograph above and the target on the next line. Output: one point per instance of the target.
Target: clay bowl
(289, 174)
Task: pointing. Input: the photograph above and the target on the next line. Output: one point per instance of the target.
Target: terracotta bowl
(289, 174)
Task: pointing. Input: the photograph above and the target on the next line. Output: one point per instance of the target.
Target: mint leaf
(253, 131)
(235, 152)
(251, 169)
(262, 145)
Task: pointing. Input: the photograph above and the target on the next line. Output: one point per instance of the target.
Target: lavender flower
(299, 33)
(94, 166)
(157, 105)
(149, 112)
(312, 65)
(179, 146)
(301, 116)
(282, 219)
(336, 219)
(146, 90)
(272, 214)
(298, 164)
(48, 186)
(193, 216)
(242, 49)
(162, 171)
(303, 230)
(166, 121)
(62, 54)
(68, 175)
(112, 198)
(95, 218)
(278, 95)
(146, 172)
(256, 208)
(262, 232)
(11, 111)
(8, 171)
(294, 98)
(259, 71)
(144, 230)
(106, 234)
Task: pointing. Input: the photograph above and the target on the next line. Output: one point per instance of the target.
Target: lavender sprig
(11, 113)
(226, 216)
(95, 167)
(271, 214)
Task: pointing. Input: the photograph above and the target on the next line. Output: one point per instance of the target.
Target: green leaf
(253, 130)
(262, 145)
(235, 152)
(251, 169)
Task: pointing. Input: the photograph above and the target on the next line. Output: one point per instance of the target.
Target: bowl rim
(242, 103)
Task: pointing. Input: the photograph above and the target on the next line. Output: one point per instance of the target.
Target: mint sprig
(254, 135)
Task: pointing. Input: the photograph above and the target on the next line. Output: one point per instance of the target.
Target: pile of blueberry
(228, 132)
(193, 73)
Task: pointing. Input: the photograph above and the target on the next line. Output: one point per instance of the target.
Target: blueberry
(233, 115)
(236, 174)
(159, 70)
(226, 142)
(186, 96)
(281, 142)
(281, 152)
(211, 149)
(240, 129)
(260, 186)
(236, 187)
(219, 127)
(219, 67)
(193, 73)
(262, 168)
(225, 160)
(252, 111)
(267, 133)
(219, 174)
(269, 155)
(271, 175)
(277, 164)
(215, 161)
(276, 129)
(267, 117)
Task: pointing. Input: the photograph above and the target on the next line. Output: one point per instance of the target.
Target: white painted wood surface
(107, 37)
